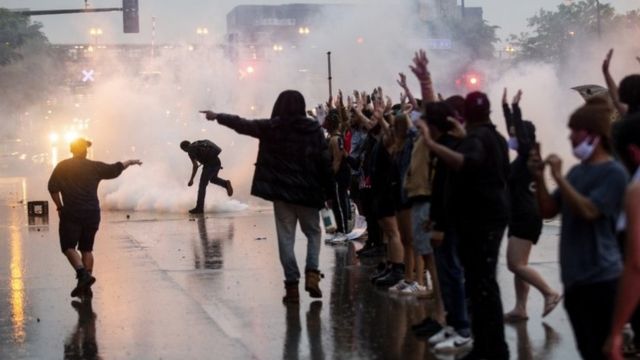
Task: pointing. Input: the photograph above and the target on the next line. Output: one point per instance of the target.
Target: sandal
(549, 306)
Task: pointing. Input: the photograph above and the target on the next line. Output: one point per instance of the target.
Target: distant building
(253, 31)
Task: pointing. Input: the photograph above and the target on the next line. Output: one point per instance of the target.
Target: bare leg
(74, 258)
(518, 251)
(389, 227)
(87, 260)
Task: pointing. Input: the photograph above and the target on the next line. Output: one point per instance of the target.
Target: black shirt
(440, 187)
(479, 194)
(77, 180)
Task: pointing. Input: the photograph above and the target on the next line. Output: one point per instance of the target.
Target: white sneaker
(414, 289)
(442, 335)
(399, 287)
(454, 344)
(339, 238)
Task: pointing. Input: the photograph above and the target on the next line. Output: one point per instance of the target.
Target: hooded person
(589, 198)
(293, 170)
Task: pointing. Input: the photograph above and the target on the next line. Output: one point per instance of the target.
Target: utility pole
(153, 37)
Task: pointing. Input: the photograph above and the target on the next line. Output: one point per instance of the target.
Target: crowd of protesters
(434, 181)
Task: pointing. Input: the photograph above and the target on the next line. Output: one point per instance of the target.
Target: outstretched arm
(242, 126)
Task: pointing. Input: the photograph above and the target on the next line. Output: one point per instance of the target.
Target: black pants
(209, 175)
(590, 310)
(374, 234)
(478, 249)
(341, 207)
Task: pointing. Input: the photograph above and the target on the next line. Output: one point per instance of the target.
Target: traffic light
(130, 18)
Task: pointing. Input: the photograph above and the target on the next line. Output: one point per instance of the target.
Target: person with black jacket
(525, 222)
(478, 209)
(293, 170)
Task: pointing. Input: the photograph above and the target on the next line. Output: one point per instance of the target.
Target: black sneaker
(84, 283)
(381, 270)
(373, 251)
(427, 327)
(391, 278)
(196, 210)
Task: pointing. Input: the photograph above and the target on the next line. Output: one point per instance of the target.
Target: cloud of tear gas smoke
(548, 99)
(135, 118)
(132, 119)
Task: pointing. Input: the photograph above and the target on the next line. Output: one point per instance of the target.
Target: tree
(556, 33)
(28, 69)
(476, 36)
(16, 31)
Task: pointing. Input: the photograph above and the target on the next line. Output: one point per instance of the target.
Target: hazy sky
(177, 20)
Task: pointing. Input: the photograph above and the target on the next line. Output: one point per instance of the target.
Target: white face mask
(513, 143)
(585, 149)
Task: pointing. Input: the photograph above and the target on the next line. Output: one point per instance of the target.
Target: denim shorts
(420, 212)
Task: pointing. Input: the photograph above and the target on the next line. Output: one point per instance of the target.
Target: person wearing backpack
(206, 153)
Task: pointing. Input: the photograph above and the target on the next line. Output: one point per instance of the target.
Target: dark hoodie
(293, 162)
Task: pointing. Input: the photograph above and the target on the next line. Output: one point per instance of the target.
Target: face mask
(585, 149)
(513, 143)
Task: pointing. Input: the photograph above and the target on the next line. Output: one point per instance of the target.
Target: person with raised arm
(73, 186)
(525, 223)
(293, 170)
(478, 210)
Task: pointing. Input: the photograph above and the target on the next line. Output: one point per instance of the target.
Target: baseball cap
(79, 145)
(476, 106)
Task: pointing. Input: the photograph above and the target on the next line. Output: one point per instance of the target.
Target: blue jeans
(451, 278)
(209, 174)
(287, 217)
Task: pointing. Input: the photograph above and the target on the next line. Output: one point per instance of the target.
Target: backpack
(206, 148)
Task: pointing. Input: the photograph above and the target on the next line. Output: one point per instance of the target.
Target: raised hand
(504, 97)
(419, 67)
(402, 81)
(516, 99)
(607, 62)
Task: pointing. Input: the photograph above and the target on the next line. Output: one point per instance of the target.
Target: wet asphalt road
(171, 286)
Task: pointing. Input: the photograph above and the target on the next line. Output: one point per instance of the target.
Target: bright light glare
(250, 69)
(70, 136)
(53, 137)
(473, 80)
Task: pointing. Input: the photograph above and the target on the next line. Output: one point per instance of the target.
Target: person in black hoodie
(293, 170)
(478, 209)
